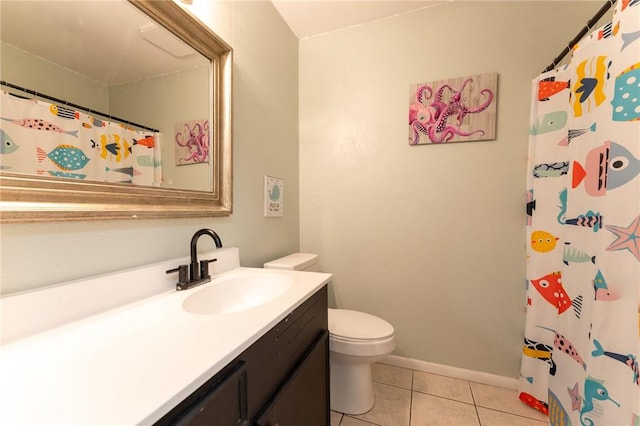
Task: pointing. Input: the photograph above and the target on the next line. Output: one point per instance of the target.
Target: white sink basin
(236, 293)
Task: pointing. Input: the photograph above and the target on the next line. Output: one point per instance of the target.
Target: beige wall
(265, 128)
(161, 102)
(24, 69)
(430, 238)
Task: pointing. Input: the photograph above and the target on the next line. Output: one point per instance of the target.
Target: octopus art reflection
(196, 140)
(430, 112)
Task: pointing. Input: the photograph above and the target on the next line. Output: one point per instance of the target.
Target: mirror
(29, 197)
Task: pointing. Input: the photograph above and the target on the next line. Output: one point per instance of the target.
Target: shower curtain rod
(590, 24)
(63, 102)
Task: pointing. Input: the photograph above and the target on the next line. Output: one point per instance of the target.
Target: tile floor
(415, 398)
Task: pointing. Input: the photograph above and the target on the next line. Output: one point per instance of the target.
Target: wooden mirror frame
(26, 198)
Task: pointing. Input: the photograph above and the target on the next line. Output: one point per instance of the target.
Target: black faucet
(196, 274)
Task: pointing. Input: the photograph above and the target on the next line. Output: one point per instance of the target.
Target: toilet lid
(346, 324)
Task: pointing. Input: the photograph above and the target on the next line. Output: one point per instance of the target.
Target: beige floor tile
(335, 418)
(350, 421)
(391, 407)
(446, 387)
(429, 410)
(505, 400)
(497, 418)
(391, 375)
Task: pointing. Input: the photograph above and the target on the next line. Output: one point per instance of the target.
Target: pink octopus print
(192, 142)
(454, 110)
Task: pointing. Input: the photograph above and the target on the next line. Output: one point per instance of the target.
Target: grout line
(511, 413)
(411, 398)
(473, 398)
(383, 383)
(445, 397)
(341, 417)
(362, 420)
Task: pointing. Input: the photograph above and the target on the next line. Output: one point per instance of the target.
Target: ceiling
(95, 38)
(307, 18)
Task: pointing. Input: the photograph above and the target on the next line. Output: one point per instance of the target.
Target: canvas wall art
(453, 110)
(192, 142)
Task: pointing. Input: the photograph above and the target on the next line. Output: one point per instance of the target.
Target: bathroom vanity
(281, 379)
(127, 348)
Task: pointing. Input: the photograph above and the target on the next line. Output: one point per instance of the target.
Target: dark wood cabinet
(221, 401)
(282, 379)
(291, 406)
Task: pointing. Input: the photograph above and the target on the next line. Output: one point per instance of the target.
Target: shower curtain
(581, 341)
(40, 138)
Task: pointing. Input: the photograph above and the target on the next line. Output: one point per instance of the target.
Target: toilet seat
(353, 326)
(359, 334)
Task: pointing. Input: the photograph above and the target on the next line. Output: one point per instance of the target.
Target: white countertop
(132, 363)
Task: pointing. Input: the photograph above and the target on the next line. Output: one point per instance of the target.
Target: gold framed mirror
(40, 198)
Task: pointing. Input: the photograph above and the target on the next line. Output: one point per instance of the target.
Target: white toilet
(356, 340)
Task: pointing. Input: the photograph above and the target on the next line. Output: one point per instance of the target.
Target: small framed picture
(273, 196)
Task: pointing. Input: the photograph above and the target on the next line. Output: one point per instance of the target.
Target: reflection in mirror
(122, 88)
(148, 77)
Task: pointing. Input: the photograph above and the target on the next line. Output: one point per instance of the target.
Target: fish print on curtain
(582, 332)
(49, 140)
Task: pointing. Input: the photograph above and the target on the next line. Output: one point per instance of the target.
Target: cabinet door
(271, 359)
(219, 402)
(304, 397)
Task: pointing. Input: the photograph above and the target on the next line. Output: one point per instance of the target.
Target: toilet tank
(295, 262)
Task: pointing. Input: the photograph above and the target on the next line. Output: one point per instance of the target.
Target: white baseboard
(449, 371)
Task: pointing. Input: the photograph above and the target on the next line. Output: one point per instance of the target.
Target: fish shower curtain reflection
(40, 138)
(581, 341)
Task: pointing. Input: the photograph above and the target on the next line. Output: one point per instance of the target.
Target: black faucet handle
(183, 273)
(204, 267)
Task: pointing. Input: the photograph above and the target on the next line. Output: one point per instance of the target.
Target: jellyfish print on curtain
(581, 340)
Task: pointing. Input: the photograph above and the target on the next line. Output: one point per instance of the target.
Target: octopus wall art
(192, 142)
(453, 110)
